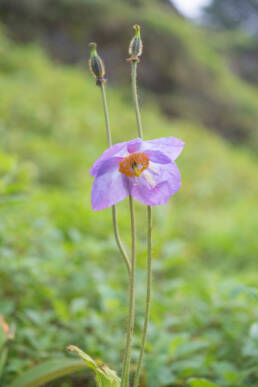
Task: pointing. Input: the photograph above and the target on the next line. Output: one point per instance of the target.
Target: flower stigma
(134, 164)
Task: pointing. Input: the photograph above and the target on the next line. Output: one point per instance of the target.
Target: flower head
(143, 169)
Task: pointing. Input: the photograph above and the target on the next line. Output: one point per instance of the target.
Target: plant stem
(118, 240)
(149, 259)
(105, 106)
(148, 298)
(130, 326)
(135, 98)
(114, 217)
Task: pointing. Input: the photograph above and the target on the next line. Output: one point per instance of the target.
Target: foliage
(62, 278)
(47, 371)
(201, 383)
(105, 377)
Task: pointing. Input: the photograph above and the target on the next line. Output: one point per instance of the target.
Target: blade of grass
(47, 372)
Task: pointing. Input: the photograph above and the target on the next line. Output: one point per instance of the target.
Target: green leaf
(105, 377)
(47, 371)
(3, 357)
(201, 383)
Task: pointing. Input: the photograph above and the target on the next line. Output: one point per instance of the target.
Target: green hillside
(192, 71)
(62, 279)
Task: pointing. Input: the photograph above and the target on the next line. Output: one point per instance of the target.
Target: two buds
(96, 64)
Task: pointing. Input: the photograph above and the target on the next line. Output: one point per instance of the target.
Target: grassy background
(62, 279)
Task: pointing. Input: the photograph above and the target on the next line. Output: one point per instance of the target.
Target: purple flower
(143, 169)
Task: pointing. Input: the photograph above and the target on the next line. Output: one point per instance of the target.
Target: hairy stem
(118, 240)
(135, 98)
(114, 217)
(148, 298)
(149, 259)
(130, 324)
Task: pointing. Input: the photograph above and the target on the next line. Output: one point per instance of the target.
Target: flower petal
(112, 151)
(155, 187)
(108, 188)
(157, 157)
(170, 146)
(134, 145)
(107, 165)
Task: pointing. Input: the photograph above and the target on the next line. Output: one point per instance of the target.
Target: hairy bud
(96, 64)
(135, 47)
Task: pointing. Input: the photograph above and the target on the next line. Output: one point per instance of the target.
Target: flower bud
(96, 64)
(135, 47)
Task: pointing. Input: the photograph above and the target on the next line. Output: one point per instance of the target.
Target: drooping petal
(108, 189)
(170, 146)
(157, 184)
(112, 151)
(107, 165)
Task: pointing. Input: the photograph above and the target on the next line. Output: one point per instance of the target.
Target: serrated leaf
(199, 382)
(48, 371)
(105, 377)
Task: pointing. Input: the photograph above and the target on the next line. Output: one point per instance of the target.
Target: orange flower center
(134, 164)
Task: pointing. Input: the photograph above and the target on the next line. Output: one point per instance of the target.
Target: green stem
(149, 212)
(118, 240)
(148, 298)
(105, 106)
(130, 326)
(135, 98)
(114, 217)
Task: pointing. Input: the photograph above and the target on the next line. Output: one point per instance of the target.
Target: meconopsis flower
(143, 169)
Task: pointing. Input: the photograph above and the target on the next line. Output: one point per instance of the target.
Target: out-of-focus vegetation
(232, 14)
(182, 64)
(62, 280)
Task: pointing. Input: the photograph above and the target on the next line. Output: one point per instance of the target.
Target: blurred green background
(62, 280)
